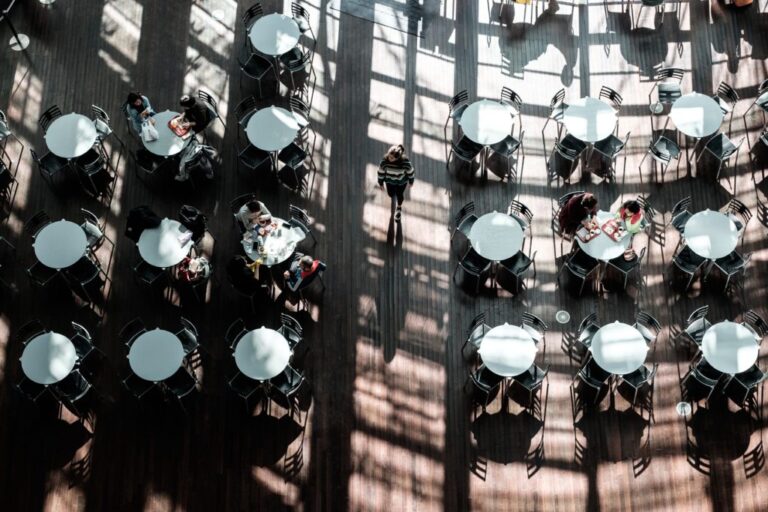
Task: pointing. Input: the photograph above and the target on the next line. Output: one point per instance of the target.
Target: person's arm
(409, 172)
(381, 173)
(264, 210)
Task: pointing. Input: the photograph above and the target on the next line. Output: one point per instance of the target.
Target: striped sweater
(395, 173)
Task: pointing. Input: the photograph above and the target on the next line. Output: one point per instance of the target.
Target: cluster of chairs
(473, 270)
(75, 390)
(284, 389)
(467, 150)
(9, 166)
(87, 277)
(687, 265)
(93, 170)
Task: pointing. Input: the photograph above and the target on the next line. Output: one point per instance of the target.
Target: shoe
(398, 214)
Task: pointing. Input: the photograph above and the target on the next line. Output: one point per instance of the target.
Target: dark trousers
(397, 191)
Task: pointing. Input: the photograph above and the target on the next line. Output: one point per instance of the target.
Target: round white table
(162, 246)
(603, 247)
(696, 115)
(262, 353)
(272, 128)
(711, 234)
(274, 34)
(507, 350)
(156, 355)
(168, 143)
(60, 244)
(279, 244)
(496, 236)
(589, 119)
(48, 358)
(71, 135)
(487, 121)
(730, 347)
(619, 348)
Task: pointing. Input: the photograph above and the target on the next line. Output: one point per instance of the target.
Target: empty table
(730, 347)
(496, 236)
(262, 353)
(48, 358)
(272, 128)
(156, 355)
(619, 348)
(60, 244)
(508, 350)
(165, 245)
(71, 135)
(603, 247)
(168, 143)
(279, 244)
(487, 122)
(589, 119)
(696, 115)
(274, 34)
(711, 234)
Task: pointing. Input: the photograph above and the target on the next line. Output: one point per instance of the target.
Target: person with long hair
(395, 173)
(139, 110)
(578, 211)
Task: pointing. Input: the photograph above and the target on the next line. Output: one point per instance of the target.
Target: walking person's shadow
(395, 229)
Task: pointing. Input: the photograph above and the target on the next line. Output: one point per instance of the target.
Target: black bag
(139, 219)
(194, 220)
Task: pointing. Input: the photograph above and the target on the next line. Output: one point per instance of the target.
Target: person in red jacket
(577, 211)
(301, 270)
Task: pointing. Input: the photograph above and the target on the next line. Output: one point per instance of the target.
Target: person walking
(396, 173)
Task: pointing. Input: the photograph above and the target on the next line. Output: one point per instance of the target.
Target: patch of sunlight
(386, 121)
(276, 484)
(25, 108)
(389, 49)
(121, 31)
(115, 66)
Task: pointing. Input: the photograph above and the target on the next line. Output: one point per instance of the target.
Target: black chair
(213, 106)
(566, 151)
(284, 388)
(293, 172)
(593, 381)
(95, 230)
(610, 148)
(681, 213)
(732, 265)
(534, 326)
(131, 331)
(94, 173)
(485, 386)
(556, 112)
(580, 266)
(137, 386)
(668, 83)
(662, 150)
(36, 223)
(624, 267)
(300, 219)
(648, 326)
(181, 384)
(235, 331)
(727, 97)
(82, 341)
(686, 264)
(255, 67)
(531, 381)
(41, 276)
(722, 148)
(611, 96)
(243, 112)
(464, 220)
(149, 276)
(510, 273)
(48, 117)
(475, 333)
(637, 387)
(587, 329)
(744, 384)
(465, 150)
(86, 279)
(700, 382)
(251, 14)
(245, 388)
(472, 271)
(101, 122)
(49, 166)
(760, 101)
(756, 324)
(511, 99)
(71, 390)
(696, 325)
(507, 148)
(253, 158)
(291, 329)
(456, 108)
(739, 214)
(195, 221)
(30, 330)
(188, 336)
(29, 389)
(295, 62)
(301, 17)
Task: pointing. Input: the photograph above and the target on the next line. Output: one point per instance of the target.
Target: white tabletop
(507, 350)
(71, 135)
(168, 143)
(730, 347)
(60, 244)
(696, 115)
(48, 358)
(156, 355)
(496, 236)
(603, 247)
(262, 353)
(619, 348)
(274, 34)
(711, 234)
(161, 247)
(589, 119)
(279, 244)
(272, 128)
(487, 121)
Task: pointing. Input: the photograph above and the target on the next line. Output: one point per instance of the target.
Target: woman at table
(578, 211)
(301, 270)
(253, 215)
(139, 110)
(196, 115)
(632, 215)
(243, 276)
(396, 172)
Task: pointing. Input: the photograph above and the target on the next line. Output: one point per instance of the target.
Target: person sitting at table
(196, 115)
(578, 211)
(301, 270)
(241, 274)
(632, 214)
(139, 110)
(253, 214)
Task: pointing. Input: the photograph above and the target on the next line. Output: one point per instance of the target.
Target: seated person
(191, 270)
(139, 110)
(632, 214)
(241, 274)
(253, 214)
(301, 270)
(196, 115)
(139, 219)
(578, 211)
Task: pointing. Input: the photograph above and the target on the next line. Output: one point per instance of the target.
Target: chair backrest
(181, 383)
(648, 211)
(100, 114)
(510, 97)
(590, 319)
(566, 197)
(29, 388)
(658, 152)
(91, 218)
(83, 271)
(29, 330)
(649, 322)
(519, 210)
(251, 14)
(557, 99)
(81, 331)
(37, 222)
(477, 321)
(73, 387)
(698, 314)
(291, 322)
(299, 106)
(461, 98)
(297, 11)
(533, 321)
(683, 205)
(730, 150)
(736, 207)
(209, 100)
(466, 210)
(131, 330)
(670, 74)
(188, 326)
(566, 152)
(243, 385)
(756, 322)
(235, 331)
(727, 93)
(245, 109)
(611, 95)
(48, 116)
(297, 214)
(137, 386)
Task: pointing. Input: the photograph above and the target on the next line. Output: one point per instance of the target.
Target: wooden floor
(389, 427)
